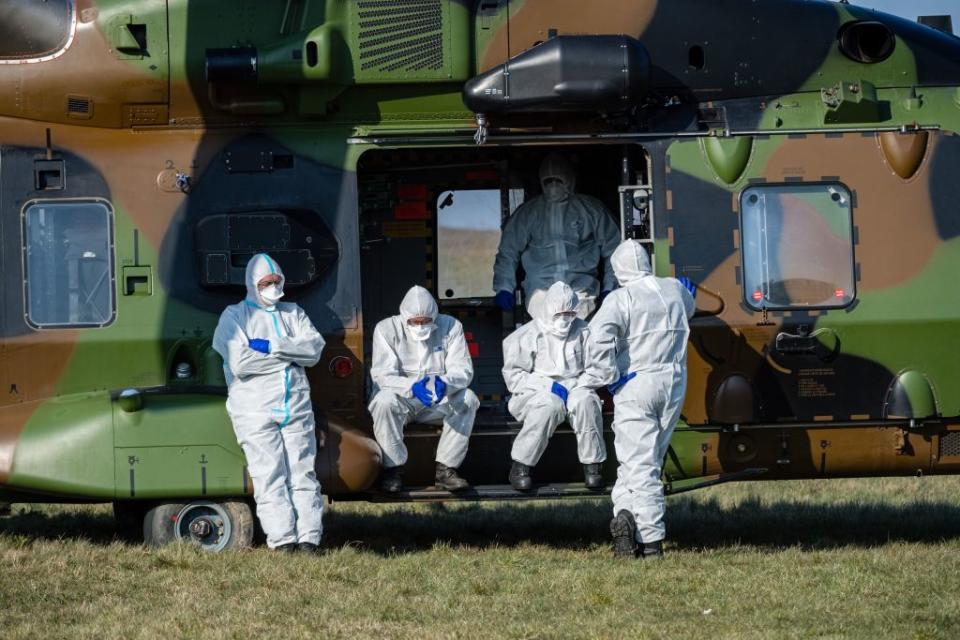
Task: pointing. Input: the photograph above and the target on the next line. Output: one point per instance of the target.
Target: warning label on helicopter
(815, 383)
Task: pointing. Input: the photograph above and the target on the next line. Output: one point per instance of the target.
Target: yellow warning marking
(860, 416)
(777, 366)
(823, 418)
(669, 199)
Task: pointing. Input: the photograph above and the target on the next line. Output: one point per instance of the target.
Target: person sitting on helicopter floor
(560, 235)
(421, 370)
(265, 345)
(542, 361)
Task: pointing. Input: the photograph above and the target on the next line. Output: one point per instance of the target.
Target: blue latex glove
(616, 386)
(440, 387)
(561, 391)
(421, 393)
(688, 285)
(505, 300)
(263, 346)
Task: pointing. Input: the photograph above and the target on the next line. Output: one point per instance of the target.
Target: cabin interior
(433, 217)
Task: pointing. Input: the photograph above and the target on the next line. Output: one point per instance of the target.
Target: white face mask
(561, 325)
(555, 192)
(420, 332)
(271, 294)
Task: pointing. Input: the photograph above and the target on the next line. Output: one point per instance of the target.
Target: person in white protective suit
(265, 345)
(421, 370)
(542, 361)
(558, 236)
(638, 346)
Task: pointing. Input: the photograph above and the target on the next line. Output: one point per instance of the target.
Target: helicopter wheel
(213, 526)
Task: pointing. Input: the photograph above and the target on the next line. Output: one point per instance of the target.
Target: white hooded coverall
(641, 328)
(269, 404)
(558, 236)
(534, 357)
(399, 361)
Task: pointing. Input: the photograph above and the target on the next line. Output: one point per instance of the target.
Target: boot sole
(624, 538)
(448, 487)
(522, 488)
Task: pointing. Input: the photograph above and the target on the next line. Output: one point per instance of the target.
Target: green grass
(849, 558)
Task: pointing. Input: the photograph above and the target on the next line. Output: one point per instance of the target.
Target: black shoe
(592, 478)
(307, 547)
(652, 550)
(447, 478)
(623, 528)
(520, 476)
(290, 547)
(391, 479)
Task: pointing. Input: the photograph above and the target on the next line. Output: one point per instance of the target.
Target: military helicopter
(796, 159)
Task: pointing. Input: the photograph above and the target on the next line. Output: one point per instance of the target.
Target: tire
(221, 525)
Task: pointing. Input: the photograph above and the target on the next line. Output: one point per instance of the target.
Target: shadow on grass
(39, 524)
(692, 525)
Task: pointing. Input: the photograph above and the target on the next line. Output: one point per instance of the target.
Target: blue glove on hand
(263, 346)
(440, 387)
(505, 300)
(421, 393)
(561, 391)
(616, 386)
(688, 285)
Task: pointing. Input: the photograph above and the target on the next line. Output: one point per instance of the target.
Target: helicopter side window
(68, 263)
(31, 30)
(468, 235)
(797, 246)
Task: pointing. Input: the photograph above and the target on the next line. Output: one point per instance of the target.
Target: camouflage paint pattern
(878, 394)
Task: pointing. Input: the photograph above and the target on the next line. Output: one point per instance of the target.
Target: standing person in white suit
(421, 370)
(560, 235)
(265, 345)
(542, 361)
(638, 346)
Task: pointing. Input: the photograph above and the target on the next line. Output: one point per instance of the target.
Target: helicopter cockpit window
(468, 234)
(30, 29)
(68, 263)
(797, 246)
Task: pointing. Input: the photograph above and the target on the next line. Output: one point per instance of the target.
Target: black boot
(307, 547)
(623, 528)
(592, 478)
(520, 476)
(391, 479)
(290, 547)
(652, 550)
(447, 478)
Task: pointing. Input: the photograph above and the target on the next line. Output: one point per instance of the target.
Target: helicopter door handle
(823, 343)
(791, 343)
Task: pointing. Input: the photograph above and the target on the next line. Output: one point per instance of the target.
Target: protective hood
(259, 266)
(630, 262)
(557, 166)
(559, 298)
(416, 304)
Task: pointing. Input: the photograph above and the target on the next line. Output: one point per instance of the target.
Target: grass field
(814, 559)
